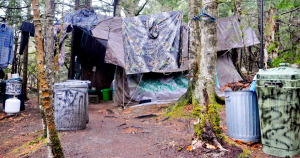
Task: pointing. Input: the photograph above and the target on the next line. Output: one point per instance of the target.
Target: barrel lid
(106, 90)
(86, 81)
(71, 84)
(12, 81)
(283, 72)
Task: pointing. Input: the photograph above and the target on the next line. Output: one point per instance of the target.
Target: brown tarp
(110, 28)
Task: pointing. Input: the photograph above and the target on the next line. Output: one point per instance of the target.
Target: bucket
(106, 94)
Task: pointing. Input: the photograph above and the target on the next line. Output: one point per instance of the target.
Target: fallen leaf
(239, 142)
(208, 146)
(189, 148)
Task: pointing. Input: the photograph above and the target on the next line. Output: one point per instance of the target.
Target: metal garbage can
(242, 116)
(87, 96)
(278, 91)
(70, 105)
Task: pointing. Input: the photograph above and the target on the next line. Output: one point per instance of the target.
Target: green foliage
(277, 61)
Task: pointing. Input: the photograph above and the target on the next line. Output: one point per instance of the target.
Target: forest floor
(114, 132)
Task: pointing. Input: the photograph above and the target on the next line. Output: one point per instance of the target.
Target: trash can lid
(282, 72)
(85, 81)
(13, 81)
(71, 85)
(106, 90)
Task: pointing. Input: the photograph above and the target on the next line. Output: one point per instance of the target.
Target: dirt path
(112, 132)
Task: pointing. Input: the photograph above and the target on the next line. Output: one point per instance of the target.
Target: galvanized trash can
(242, 115)
(70, 105)
(87, 96)
(278, 91)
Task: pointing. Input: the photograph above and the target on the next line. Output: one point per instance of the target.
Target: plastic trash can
(70, 105)
(106, 94)
(242, 115)
(278, 91)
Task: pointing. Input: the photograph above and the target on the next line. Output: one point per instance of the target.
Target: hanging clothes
(6, 45)
(27, 30)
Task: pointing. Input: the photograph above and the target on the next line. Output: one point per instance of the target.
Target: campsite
(149, 78)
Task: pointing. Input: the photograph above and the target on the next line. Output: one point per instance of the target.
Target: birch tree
(53, 135)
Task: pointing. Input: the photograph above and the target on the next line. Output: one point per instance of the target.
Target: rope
(134, 91)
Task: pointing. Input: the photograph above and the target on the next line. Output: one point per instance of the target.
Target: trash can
(106, 94)
(278, 91)
(6, 96)
(87, 96)
(70, 105)
(242, 115)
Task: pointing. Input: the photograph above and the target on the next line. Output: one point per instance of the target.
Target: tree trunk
(72, 56)
(55, 143)
(14, 64)
(117, 9)
(259, 16)
(204, 93)
(25, 64)
(270, 47)
(88, 4)
(49, 11)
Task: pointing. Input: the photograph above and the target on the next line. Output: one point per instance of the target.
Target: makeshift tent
(108, 52)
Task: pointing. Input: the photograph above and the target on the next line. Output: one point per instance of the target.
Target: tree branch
(290, 11)
(65, 4)
(105, 2)
(136, 14)
(14, 7)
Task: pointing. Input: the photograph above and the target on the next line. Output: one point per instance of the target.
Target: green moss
(219, 100)
(36, 140)
(214, 119)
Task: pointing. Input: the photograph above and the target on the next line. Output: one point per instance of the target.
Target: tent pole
(261, 33)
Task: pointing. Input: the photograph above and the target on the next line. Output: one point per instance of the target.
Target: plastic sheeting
(157, 87)
(86, 19)
(230, 34)
(152, 42)
(226, 71)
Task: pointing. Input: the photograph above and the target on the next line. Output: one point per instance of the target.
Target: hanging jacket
(6, 45)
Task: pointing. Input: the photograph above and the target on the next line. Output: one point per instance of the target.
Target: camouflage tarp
(152, 42)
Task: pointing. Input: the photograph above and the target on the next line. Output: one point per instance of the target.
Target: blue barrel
(70, 105)
(242, 115)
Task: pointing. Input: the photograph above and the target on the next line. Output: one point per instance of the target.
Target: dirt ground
(112, 132)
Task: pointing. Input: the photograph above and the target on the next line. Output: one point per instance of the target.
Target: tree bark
(88, 4)
(269, 38)
(55, 142)
(208, 127)
(118, 8)
(14, 64)
(25, 67)
(72, 56)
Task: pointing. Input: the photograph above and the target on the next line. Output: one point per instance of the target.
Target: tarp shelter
(108, 32)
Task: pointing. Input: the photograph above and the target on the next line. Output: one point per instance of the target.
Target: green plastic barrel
(278, 92)
(106, 94)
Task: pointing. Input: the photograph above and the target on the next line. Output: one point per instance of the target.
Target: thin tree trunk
(55, 142)
(88, 4)
(25, 67)
(49, 11)
(14, 65)
(269, 37)
(72, 56)
(117, 9)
